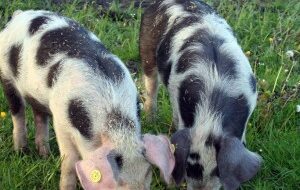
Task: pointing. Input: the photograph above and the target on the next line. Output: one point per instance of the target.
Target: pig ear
(236, 163)
(159, 152)
(96, 172)
(182, 141)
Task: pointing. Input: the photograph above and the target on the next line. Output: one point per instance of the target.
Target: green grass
(265, 28)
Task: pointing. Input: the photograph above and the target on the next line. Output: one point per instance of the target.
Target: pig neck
(122, 141)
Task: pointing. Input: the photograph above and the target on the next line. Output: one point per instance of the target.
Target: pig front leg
(68, 172)
(69, 156)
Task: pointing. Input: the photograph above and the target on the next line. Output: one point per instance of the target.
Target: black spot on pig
(186, 60)
(165, 71)
(14, 59)
(215, 172)
(164, 49)
(189, 97)
(194, 171)
(194, 156)
(209, 51)
(182, 140)
(211, 140)
(138, 106)
(36, 24)
(116, 119)
(53, 74)
(253, 83)
(80, 118)
(75, 42)
(13, 96)
(110, 68)
(225, 64)
(201, 36)
(234, 111)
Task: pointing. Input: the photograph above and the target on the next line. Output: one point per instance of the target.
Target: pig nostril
(122, 183)
(119, 160)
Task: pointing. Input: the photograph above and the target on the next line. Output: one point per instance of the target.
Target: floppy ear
(182, 141)
(96, 172)
(236, 163)
(159, 153)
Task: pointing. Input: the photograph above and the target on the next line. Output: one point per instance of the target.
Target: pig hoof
(23, 150)
(43, 150)
(173, 127)
(150, 113)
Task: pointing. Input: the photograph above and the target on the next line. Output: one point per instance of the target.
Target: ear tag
(95, 176)
(173, 147)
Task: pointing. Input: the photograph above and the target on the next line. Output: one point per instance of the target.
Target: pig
(212, 89)
(64, 71)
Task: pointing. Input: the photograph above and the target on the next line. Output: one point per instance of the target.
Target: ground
(269, 33)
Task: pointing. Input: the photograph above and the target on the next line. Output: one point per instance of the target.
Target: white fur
(174, 11)
(233, 87)
(75, 80)
(206, 122)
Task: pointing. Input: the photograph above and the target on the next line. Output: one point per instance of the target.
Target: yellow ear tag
(95, 176)
(172, 148)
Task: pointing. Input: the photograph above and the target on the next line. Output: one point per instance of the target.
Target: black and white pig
(63, 70)
(212, 91)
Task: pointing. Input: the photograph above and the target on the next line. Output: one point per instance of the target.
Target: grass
(265, 29)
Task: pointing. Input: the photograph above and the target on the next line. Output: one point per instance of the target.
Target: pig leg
(149, 38)
(17, 108)
(150, 77)
(69, 156)
(20, 130)
(68, 172)
(66, 139)
(175, 120)
(42, 132)
(151, 87)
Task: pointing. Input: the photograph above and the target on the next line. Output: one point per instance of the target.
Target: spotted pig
(63, 70)
(212, 91)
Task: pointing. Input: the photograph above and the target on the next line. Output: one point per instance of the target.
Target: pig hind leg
(41, 121)
(17, 108)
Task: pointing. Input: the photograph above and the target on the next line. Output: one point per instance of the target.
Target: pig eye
(119, 160)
